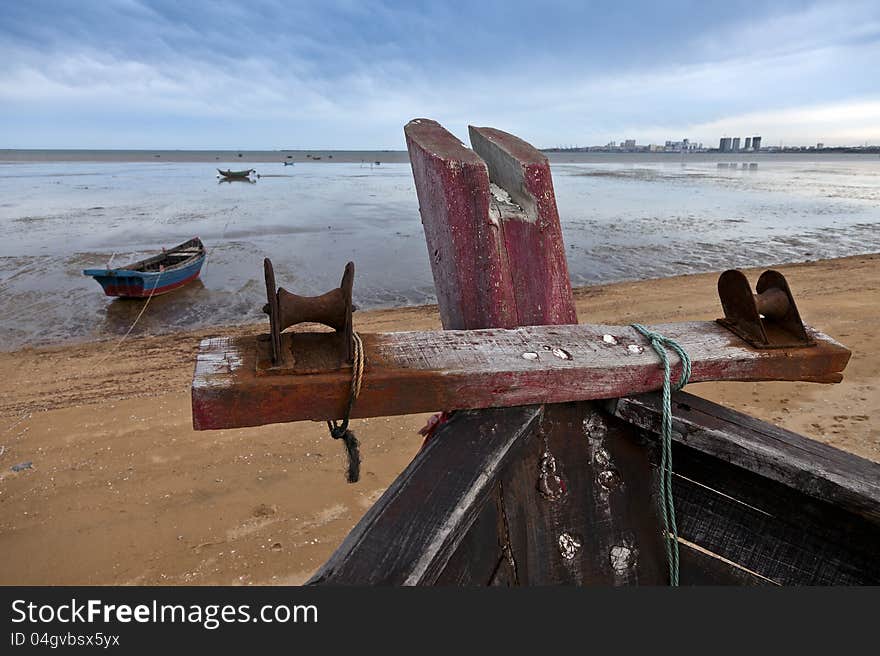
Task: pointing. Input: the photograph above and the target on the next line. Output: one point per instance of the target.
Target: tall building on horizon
(748, 144)
(735, 145)
(756, 144)
(724, 144)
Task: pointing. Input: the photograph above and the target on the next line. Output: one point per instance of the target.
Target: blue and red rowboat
(155, 275)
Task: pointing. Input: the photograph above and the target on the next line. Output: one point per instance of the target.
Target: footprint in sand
(265, 510)
(262, 516)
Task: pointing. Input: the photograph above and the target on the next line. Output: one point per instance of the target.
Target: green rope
(660, 343)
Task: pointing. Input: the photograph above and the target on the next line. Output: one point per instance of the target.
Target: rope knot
(660, 343)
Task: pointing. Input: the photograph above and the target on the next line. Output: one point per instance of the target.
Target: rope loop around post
(660, 344)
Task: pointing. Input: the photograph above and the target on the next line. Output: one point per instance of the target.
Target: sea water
(623, 217)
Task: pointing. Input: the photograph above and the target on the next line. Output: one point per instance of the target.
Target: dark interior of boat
(170, 258)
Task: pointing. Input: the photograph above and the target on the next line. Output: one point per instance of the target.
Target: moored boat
(235, 174)
(159, 274)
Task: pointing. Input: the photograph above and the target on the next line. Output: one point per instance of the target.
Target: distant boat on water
(155, 275)
(235, 174)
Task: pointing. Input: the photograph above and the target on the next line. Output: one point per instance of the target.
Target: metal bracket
(766, 319)
(311, 352)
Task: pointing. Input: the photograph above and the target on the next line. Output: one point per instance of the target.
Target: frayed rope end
(352, 450)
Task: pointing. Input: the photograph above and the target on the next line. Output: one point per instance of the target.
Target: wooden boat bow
(546, 472)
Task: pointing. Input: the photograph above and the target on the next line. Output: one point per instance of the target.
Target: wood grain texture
(531, 233)
(479, 555)
(492, 228)
(699, 567)
(410, 534)
(411, 372)
(603, 530)
(769, 528)
(818, 470)
(471, 279)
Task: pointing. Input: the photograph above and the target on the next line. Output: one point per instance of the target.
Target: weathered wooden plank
(495, 247)
(410, 372)
(478, 556)
(412, 531)
(467, 261)
(769, 528)
(523, 209)
(603, 529)
(816, 469)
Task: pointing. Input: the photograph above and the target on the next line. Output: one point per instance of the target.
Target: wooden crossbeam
(409, 372)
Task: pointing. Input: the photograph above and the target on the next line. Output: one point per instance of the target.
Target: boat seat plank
(769, 528)
(814, 468)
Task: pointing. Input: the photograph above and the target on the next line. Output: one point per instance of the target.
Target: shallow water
(623, 218)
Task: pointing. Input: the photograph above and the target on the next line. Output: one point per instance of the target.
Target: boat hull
(153, 276)
(235, 175)
(145, 285)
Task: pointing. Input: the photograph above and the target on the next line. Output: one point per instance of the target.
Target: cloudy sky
(349, 74)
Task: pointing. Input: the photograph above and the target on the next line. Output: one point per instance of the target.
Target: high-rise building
(756, 143)
(748, 144)
(629, 144)
(724, 144)
(735, 145)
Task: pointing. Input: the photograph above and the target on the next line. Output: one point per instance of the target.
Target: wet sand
(123, 491)
(57, 219)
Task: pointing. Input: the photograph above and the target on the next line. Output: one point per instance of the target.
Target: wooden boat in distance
(235, 174)
(159, 274)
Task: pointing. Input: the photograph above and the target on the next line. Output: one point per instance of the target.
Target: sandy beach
(122, 491)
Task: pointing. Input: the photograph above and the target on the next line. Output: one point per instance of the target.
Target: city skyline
(725, 144)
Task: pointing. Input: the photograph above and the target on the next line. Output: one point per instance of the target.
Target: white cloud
(849, 123)
(805, 76)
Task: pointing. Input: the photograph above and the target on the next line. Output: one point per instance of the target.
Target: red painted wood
(452, 184)
(494, 265)
(533, 244)
(422, 371)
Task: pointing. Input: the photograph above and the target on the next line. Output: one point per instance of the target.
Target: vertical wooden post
(492, 229)
(574, 508)
(534, 251)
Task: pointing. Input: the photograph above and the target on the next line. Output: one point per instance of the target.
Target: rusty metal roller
(286, 309)
(768, 318)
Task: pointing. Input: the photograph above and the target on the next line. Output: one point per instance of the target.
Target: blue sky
(349, 74)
